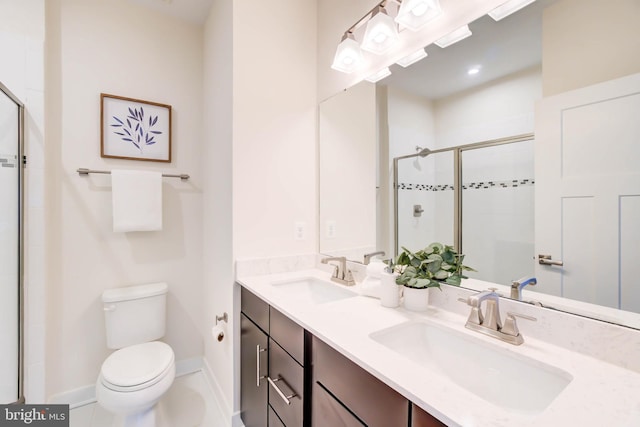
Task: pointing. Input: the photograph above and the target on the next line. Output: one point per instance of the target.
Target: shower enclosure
(477, 197)
(11, 250)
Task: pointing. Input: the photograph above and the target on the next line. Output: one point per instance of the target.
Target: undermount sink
(315, 291)
(506, 379)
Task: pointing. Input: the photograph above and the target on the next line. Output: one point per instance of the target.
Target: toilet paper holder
(224, 317)
(218, 331)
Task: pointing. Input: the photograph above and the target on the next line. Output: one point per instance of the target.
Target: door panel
(587, 156)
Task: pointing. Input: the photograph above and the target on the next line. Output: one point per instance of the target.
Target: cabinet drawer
(371, 400)
(255, 309)
(421, 418)
(327, 411)
(288, 334)
(287, 376)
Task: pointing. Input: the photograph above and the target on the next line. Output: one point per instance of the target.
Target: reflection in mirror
(498, 210)
(530, 73)
(425, 200)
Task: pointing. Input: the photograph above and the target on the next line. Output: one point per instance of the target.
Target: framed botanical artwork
(134, 129)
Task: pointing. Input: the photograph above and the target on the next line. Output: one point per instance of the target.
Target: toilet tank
(134, 314)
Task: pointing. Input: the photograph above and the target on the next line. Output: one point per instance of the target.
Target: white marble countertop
(599, 394)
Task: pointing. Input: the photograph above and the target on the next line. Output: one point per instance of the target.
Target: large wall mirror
(519, 141)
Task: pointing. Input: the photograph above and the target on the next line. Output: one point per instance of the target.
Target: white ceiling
(195, 11)
(498, 48)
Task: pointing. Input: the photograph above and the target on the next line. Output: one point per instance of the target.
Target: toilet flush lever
(111, 307)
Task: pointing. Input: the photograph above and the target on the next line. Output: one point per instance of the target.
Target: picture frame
(134, 129)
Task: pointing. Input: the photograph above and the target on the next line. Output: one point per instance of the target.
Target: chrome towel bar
(85, 171)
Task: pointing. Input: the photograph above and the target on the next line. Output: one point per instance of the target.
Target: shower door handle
(546, 260)
(258, 376)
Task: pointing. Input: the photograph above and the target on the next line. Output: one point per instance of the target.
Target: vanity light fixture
(508, 8)
(412, 58)
(385, 72)
(381, 32)
(348, 55)
(415, 14)
(454, 37)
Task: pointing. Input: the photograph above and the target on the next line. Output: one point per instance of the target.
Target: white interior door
(588, 193)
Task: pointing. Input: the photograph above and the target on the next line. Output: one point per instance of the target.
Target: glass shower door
(10, 271)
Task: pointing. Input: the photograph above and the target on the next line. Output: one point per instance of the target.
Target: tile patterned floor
(189, 402)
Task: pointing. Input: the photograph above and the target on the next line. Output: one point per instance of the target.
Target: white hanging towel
(137, 200)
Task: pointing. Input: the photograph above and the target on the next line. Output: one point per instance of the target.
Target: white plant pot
(416, 299)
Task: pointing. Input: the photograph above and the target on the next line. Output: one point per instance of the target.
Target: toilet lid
(137, 364)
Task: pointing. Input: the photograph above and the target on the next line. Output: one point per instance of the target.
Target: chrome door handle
(546, 260)
(258, 376)
(280, 392)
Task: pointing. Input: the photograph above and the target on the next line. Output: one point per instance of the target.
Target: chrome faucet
(490, 323)
(367, 257)
(340, 274)
(518, 285)
(491, 319)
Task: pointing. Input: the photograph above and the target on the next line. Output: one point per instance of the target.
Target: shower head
(423, 152)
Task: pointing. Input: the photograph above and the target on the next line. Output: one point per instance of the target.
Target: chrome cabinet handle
(280, 393)
(258, 377)
(546, 260)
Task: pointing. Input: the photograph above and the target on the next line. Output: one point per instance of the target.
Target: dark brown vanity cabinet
(273, 376)
(290, 378)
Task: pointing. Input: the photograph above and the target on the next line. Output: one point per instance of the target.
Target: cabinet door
(421, 418)
(327, 411)
(253, 392)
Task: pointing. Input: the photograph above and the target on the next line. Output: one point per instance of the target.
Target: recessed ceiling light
(473, 71)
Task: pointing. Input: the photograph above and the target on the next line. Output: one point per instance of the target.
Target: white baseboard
(87, 395)
(218, 394)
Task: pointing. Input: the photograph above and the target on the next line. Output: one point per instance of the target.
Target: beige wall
(274, 127)
(115, 47)
(217, 265)
(260, 152)
(589, 41)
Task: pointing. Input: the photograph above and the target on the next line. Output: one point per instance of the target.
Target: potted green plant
(427, 268)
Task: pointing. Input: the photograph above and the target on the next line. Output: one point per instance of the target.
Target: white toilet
(135, 377)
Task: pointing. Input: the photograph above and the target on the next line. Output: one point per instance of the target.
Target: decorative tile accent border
(469, 185)
(7, 161)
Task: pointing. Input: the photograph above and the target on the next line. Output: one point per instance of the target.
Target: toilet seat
(137, 367)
